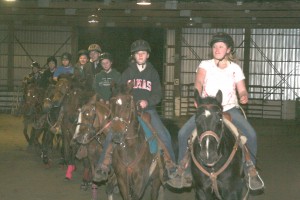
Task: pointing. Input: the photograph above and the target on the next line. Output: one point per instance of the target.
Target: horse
(134, 165)
(93, 124)
(217, 162)
(52, 131)
(32, 111)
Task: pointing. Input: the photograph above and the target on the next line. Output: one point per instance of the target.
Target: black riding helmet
(106, 55)
(83, 52)
(67, 56)
(222, 37)
(140, 45)
(51, 58)
(35, 64)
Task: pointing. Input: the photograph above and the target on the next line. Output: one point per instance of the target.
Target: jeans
(107, 140)
(237, 119)
(162, 133)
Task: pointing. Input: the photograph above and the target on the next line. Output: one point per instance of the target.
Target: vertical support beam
(177, 72)
(10, 60)
(74, 44)
(247, 55)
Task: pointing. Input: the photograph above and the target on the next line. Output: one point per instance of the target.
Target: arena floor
(24, 177)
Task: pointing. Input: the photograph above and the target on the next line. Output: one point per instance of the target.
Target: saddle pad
(149, 137)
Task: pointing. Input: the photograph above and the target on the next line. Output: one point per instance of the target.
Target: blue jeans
(157, 124)
(237, 119)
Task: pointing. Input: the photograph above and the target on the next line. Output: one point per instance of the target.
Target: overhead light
(239, 2)
(93, 19)
(143, 2)
(10, 0)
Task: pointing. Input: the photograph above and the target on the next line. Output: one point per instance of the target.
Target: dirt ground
(24, 177)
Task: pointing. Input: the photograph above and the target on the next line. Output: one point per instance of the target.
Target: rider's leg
(103, 165)
(249, 150)
(182, 177)
(162, 133)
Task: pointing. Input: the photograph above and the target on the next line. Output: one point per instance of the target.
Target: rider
(220, 73)
(47, 76)
(83, 62)
(35, 75)
(147, 92)
(94, 67)
(103, 80)
(66, 67)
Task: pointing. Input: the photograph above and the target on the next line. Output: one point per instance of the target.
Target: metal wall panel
(32, 43)
(275, 62)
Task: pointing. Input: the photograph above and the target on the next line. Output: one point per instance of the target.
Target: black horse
(134, 165)
(217, 163)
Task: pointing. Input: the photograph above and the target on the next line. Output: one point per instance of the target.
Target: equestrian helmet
(140, 45)
(51, 58)
(83, 52)
(66, 56)
(35, 64)
(94, 47)
(106, 55)
(222, 37)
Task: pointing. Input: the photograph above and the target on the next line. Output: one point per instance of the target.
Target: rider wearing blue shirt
(66, 67)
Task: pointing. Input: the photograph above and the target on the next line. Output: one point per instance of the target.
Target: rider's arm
(242, 91)
(199, 79)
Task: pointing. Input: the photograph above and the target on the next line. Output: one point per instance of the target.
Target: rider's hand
(143, 104)
(244, 99)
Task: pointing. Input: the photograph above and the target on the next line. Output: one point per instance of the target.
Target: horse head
(33, 95)
(94, 117)
(209, 128)
(62, 87)
(47, 101)
(123, 110)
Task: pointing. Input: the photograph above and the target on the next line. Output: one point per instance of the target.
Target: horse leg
(86, 175)
(46, 144)
(25, 132)
(69, 155)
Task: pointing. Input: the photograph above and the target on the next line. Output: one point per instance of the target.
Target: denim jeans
(107, 140)
(162, 132)
(237, 119)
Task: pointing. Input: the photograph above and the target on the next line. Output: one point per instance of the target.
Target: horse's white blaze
(207, 113)
(78, 124)
(207, 145)
(119, 102)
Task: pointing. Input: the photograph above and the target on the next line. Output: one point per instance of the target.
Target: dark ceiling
(167, 14)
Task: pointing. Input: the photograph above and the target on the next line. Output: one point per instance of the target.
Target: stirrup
(253, 179)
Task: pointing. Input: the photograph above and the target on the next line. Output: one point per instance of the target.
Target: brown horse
(135, 167)
(32, 112)
(93, 124)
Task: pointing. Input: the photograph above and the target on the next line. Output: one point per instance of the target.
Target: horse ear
(197, 97)
(219, 96)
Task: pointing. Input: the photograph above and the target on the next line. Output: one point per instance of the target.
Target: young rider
(220, 73)
(147, 92)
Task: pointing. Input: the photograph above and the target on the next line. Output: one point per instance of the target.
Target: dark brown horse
(93, 124)
(135, 167)
(32, 112)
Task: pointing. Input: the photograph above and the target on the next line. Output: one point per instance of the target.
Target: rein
(213, 175)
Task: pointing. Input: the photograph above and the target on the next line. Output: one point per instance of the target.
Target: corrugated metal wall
(273, 66)
(30, 43)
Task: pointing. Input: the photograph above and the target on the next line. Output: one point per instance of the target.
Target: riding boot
(182, 177)
(253, 180)
(102, 169)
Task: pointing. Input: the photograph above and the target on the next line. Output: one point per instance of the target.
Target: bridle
(213, 175)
